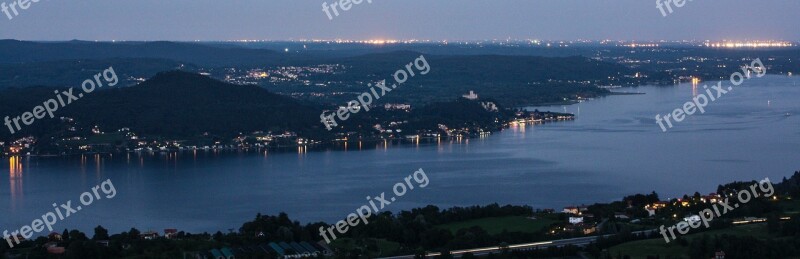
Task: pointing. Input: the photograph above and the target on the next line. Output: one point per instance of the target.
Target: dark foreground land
(765, 227)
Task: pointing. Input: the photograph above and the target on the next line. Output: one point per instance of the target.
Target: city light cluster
(749, 44)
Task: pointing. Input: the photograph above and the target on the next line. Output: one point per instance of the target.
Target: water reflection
(97, 162)
(599, 157)
(15, 180)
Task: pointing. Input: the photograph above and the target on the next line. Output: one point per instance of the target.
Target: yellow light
(750, 44)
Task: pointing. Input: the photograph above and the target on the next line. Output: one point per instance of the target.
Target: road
(580, 241)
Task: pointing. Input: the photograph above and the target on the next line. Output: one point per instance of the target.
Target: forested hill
(487, 68)
(173, 104)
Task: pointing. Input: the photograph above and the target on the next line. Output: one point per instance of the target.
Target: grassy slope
(790, 206)
(497, 225)
(385, 247)
(642, 248)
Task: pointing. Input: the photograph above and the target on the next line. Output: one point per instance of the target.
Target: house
(286, 247)
(216, 254)
(278, 249)
(575, 220)
(471, 96)
(314, 251)
(570, 228)
(55, 236)
(580, 227)
(710, 198)
(621, 215)
(56, 250)
(719, 255)
(397, 106)
(692, 219)
(571, 210)
(53, 248)
(577, 210)
(650, 211)
(322, 246)
(227, 253)
(170, 233)
(289, 251)
(657, 205)
(149, 235)
(300, 249)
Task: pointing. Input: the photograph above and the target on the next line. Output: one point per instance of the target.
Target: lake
(613, 148)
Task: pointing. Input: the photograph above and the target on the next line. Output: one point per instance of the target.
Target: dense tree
(100, 233)
(134, 233)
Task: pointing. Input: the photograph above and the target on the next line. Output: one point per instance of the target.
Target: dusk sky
(185, 20)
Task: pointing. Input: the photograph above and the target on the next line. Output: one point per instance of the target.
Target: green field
(384, 247)
(498, 224)
(790, 206)
(643, 248)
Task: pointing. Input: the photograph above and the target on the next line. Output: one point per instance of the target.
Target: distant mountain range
(73, 71)
(511, 80)
(13, 51)
(24, 63)
(485, 68)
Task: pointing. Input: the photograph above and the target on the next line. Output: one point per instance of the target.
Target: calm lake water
(613, 148)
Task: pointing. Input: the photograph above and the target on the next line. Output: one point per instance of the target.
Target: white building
(575, 220)
(692, 219)
(397, 106)
(471, 96)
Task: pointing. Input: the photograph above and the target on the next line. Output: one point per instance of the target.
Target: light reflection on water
(613, 148)
(15, 178)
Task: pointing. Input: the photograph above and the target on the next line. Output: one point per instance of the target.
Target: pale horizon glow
(385, 21)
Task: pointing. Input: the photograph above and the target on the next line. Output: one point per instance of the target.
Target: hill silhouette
(14, 51)
(175, 104)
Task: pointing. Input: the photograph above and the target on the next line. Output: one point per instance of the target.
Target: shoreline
(326, 145)
(314, 147)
